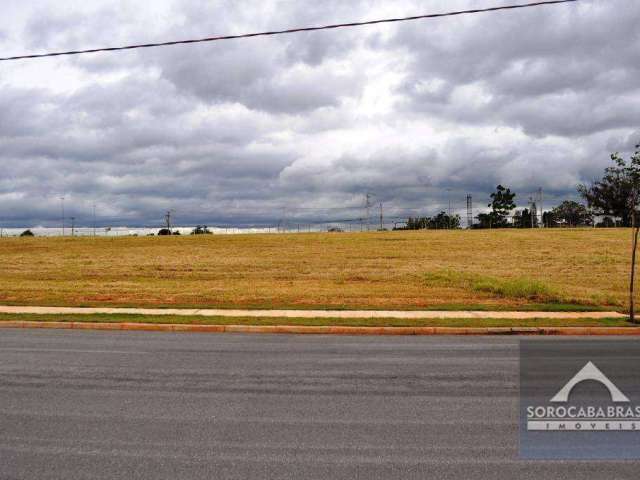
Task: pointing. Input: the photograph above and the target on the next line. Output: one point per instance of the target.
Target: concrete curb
(327, 330)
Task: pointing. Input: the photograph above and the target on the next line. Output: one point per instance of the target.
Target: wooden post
(634, 244)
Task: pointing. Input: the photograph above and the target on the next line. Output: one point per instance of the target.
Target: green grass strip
(351, 322)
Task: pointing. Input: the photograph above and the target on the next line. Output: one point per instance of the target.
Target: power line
(291, 30)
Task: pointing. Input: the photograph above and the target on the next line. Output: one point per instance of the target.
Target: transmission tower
(62, 203)
(538, 198)
(367, 206)
(469, 211)
(449, 209)
(533, 210)
(282, 223)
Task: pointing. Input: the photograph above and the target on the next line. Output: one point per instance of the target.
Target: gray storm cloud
(238, 132)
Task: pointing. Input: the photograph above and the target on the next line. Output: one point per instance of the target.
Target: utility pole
(539, 200)
(283, 221)
(536, 200)
(73, 226)
(449, 211)
(368, 207)
(469, 211)
(635, 228)
(167, 219)
(94, 219)
(532, 206)
(62, 200)
(381, 218)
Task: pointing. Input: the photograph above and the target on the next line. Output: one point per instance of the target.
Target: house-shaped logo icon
(589, 372)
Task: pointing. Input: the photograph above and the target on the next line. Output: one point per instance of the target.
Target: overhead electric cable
(290, 30)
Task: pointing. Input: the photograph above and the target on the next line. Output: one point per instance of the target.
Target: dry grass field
(497, 269)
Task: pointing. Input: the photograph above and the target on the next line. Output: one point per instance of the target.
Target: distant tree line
(441, 221)
(198, 230)
(612, 199)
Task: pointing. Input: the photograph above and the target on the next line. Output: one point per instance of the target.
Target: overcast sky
(302, 126)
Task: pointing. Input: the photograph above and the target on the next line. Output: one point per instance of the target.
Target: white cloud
(236, 131)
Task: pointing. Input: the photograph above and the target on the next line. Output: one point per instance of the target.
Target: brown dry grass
(399, 270)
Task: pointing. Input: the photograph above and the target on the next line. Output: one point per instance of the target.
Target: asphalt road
(81, 404)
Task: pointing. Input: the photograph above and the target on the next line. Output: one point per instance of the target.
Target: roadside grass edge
(341, 322)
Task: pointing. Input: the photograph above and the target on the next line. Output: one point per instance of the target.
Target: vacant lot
(399, 270)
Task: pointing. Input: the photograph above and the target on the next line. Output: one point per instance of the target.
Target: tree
(525, 219)
(417, 223)
(572, 214)
(618, 194)
(444, 220)
(611, 195)
(607, 222)
(166, 231)
(441, 221)
(501, 205)
(485, 220)
(27, 233)
(632, 171)
(201, 230)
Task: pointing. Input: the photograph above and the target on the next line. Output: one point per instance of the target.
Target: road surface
(125, 405)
